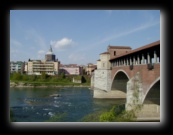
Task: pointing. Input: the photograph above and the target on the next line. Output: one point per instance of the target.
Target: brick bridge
(136, 72)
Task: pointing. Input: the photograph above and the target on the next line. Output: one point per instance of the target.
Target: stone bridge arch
(152, 91)
(151, 103)
(119, 83)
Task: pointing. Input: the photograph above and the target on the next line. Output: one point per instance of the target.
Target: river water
(36, 104)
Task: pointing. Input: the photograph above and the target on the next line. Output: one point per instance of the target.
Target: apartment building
(50, 65)
(17, 66)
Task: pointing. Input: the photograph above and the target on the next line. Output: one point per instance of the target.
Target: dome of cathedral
(50, 51)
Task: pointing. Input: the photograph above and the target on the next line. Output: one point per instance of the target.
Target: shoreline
(21, 85)
(44, 86)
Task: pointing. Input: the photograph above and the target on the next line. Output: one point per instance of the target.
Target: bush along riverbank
(23, 80)
(116, 114)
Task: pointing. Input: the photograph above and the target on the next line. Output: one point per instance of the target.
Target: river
(72, 104)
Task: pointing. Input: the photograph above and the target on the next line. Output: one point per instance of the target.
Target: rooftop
(119, 47)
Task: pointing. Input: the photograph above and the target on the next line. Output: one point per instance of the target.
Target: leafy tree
(32, 77)
(17, 76)
(62, 75)
(44, 76)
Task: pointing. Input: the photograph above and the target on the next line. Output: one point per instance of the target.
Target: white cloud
(41, 52)
(64, 43)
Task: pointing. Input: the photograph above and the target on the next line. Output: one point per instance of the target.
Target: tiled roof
(119, 47)
(93, 66)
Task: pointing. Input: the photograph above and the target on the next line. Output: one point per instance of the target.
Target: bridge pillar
(138, 59)
(155, 56)
(102, 79)
(134, 94)
(143, 59)
(148, 58)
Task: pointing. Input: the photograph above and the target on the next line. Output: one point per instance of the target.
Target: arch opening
(153, 95)
(120, 82)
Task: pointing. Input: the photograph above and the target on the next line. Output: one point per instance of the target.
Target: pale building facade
(103, 62)
(50, 66)
(37, 67)
(17, 66)
(90, 68)
(71, 69)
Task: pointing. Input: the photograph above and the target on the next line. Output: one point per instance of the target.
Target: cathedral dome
(50, 56)
(50, 51)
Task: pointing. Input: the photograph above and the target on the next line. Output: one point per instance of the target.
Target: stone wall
(134, 92)
(102, 79)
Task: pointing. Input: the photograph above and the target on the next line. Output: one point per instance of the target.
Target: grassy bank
(17, 79)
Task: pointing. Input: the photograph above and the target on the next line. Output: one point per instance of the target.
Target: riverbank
(44, 85)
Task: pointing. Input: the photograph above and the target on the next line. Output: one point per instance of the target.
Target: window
(103, 64)
(114, 53)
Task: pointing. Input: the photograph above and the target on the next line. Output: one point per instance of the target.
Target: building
(71, 69)
(117, 50)
(50, 65)
(17, 67)
(101, 76)
(112, 52)
(90, 68)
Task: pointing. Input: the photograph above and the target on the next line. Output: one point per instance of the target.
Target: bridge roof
(156, 43)
(119, 47)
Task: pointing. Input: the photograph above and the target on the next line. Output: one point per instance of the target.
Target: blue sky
(79, 36)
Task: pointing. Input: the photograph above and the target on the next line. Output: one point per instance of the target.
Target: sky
(79, 36)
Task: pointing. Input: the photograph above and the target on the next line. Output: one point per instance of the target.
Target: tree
(17, 76)
(44, 76)
(62, 75)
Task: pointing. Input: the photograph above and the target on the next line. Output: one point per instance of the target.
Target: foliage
(62, 75)
(107, 117)
(11, 116)
(32, 77)
(45, 79)
(57, 118)
(16, 76)
(93, 117)
(44, 76)
(117, 114)
(77, 77)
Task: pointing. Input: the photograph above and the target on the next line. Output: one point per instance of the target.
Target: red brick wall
(118, 52)
(147, 76)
